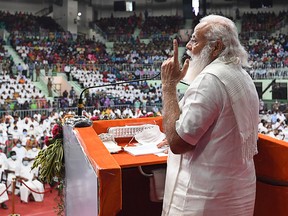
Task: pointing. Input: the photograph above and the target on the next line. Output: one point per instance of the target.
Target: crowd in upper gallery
(41, 41)
(56, 47)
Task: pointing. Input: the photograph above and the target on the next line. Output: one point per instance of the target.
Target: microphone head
(80, 109)
(184, 57)
(80, 106)
(83, 122)
(79, 121)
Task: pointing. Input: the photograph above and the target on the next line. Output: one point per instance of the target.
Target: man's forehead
(199, 31)
(201, 28)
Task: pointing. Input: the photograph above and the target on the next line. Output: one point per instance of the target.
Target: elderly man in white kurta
(12, 164)
(3, 138)
(30, 183)
(212, 132)
(20, 150)
(3, 163)
(32, 154)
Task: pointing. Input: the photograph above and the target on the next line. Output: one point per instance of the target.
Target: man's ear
(217, 49)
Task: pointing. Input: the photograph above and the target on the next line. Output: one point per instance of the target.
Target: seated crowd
(20, 142)
(274, 125)
(262, 21)
(54, 51)
(58, 48)
(268, 57)
(115, 27)
(137, 52)
(27, 22)
(154, 25)
(20, 93)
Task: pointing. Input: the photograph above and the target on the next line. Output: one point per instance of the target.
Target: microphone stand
(80, 101)
(82, 121)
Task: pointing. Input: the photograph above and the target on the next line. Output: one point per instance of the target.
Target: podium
(105, 184)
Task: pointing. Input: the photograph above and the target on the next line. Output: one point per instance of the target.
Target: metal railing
(47, 111)
(268, 73)
(44, 11)
(129, 67)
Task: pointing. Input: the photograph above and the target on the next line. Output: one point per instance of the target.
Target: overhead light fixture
(195, 5)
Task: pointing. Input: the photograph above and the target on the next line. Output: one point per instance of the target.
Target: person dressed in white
(15, 132)
(3, 163)
(3, 139)
(212, 132)
(25, 123)
(32, 154)
(30, 183)
(20, 150)
(12, 164)
(3, 194)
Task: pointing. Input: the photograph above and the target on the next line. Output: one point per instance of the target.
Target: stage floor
(46, 208)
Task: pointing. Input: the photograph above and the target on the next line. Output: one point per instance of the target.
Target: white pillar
(66, 15)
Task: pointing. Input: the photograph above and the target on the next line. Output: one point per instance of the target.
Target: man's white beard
(197, 64)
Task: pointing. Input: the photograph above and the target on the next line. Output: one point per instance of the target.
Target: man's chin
(196, 64)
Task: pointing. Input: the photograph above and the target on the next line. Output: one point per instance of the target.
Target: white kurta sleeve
(200, 107)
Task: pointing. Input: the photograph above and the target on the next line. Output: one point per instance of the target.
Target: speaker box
(255, 3)
(267, 3)
(279, 91)
(119, 6)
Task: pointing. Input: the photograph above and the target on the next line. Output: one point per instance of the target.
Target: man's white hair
(224, 29)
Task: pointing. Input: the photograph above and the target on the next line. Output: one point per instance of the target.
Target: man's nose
(189, 46)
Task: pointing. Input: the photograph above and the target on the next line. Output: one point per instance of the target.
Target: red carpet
(46, 208)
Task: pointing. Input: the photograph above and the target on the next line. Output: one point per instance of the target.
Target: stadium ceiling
(97, 2)
(229, 2)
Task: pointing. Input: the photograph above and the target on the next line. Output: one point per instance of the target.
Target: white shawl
(242, 102)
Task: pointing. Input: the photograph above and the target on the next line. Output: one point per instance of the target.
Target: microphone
(185, 56)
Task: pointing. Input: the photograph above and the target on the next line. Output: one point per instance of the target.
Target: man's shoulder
(225, 71)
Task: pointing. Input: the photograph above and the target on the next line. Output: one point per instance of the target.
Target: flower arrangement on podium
(51, 159)
(51, 165)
